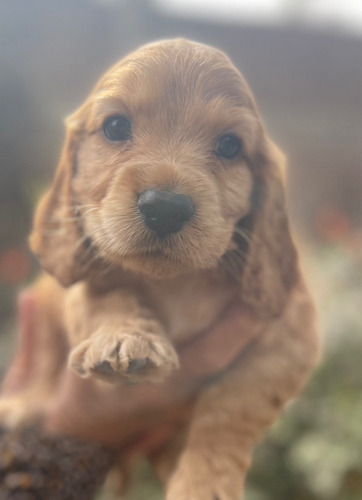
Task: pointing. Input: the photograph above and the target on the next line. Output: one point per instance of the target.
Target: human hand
(114, 414)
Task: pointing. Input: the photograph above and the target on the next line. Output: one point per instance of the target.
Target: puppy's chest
(189, 306)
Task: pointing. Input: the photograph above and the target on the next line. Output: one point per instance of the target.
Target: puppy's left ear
(270, 267)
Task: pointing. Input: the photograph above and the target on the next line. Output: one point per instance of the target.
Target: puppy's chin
(156, 266)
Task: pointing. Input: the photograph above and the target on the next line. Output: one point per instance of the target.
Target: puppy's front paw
(126, 355)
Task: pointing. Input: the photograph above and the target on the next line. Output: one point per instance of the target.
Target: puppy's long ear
(270, 267)
(57, 238)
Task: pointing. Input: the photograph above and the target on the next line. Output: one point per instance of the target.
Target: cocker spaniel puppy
(167, 207)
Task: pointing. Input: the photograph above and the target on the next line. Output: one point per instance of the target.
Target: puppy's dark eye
(117, 128)
(227, 146)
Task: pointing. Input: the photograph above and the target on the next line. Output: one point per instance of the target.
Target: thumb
(21, 368)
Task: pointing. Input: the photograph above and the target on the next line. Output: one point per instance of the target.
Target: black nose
(165, 212)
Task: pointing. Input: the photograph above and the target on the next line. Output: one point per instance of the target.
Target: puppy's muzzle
(165, 212)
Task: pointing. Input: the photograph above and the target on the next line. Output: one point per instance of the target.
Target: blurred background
(303, 60)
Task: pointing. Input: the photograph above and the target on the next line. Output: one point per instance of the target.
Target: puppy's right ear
(57, 238)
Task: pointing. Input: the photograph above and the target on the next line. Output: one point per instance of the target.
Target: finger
(19, 374)
(26, 321)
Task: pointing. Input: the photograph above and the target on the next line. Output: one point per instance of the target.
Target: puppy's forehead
(175, 72)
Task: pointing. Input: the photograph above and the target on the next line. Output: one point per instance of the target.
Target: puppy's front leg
(116, 338)
(232, 414)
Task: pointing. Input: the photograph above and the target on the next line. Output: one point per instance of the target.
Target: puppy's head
(161, 166)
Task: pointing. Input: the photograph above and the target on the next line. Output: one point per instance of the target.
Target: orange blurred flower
(332, 224)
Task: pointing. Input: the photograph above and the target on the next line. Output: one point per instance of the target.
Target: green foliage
(315, 451)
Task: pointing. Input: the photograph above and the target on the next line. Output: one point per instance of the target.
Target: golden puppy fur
(132, 296)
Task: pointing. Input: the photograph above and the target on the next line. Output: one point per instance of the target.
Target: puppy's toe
(78, 359)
